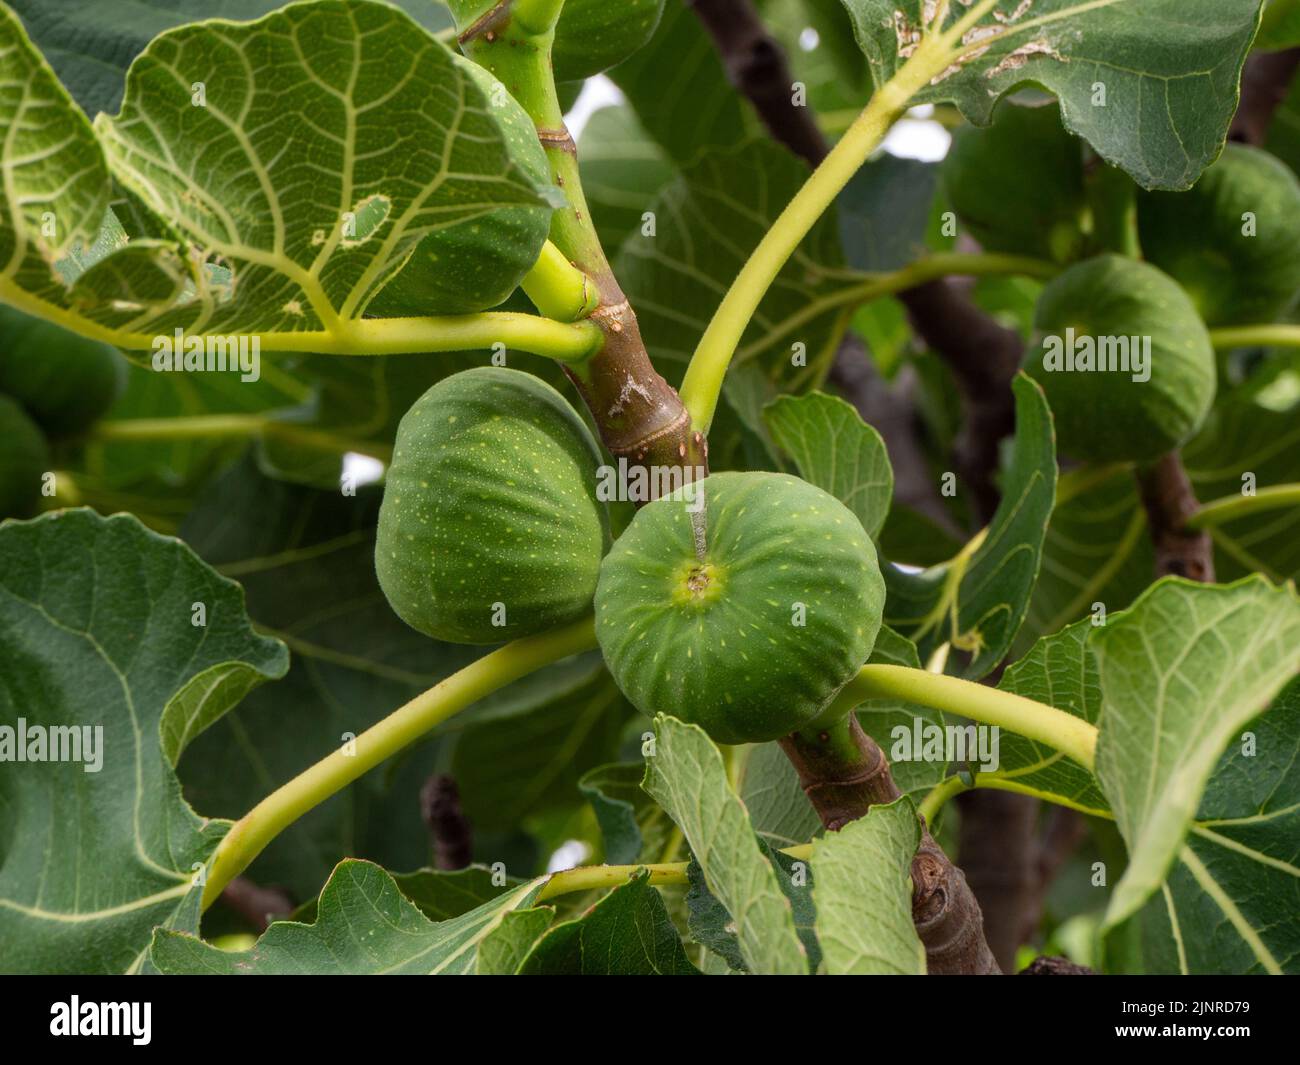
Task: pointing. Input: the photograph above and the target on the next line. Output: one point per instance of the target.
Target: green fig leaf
(837, 451)
(1150, 84)
(363, 925)
(687, 778)
(1181, 672)
(103, 606)
(863, 894)
(1225, 906)
(627, 933)
(976, 604)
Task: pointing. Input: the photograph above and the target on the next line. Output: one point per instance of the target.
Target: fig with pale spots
(490, 527)
(751, 638)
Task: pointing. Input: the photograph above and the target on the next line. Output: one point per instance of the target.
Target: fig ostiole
(1124, 359)
(1232, 240)
(752, 638)
(490, 527)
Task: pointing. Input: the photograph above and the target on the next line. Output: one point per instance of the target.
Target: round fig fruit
(65, 381)
(753, 638)
(1232, 240)
(490, 527)
(24, 457)
(1124, 359)
(1017, 185)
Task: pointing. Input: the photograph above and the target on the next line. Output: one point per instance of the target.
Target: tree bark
(1169, 500)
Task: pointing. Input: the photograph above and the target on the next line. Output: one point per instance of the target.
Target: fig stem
(235, 426)
(1278, 335)
(558, 288)
(703, 381)
(1072, 736)
(249, 836)
(1232, 507)
(569, 342)
(594, 877)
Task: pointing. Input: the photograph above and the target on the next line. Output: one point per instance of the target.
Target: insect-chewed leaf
(108, 676)
(303, 158)
(311, 151)
(1151, 84)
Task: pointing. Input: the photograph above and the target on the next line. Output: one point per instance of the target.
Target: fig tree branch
(1170, 503)
(638, 414)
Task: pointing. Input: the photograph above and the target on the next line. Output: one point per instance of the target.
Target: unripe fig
(24, 457)
(1017, 185)
(65, 382)
(474, 263)
(490, 527)
(1232, 240)
(1124, 359)
(751, 640)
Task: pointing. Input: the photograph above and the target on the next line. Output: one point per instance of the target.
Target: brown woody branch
(1265, 81)
(449, 828)
(1169, 500)
(257, 905)
(843, 787)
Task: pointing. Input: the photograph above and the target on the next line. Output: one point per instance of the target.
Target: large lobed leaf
(1168, 68)
(97, 631)
(331, 139)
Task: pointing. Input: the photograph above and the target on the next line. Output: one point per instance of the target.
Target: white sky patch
(362, 469)
(809, 38)
(568, 855)
(918, 136)
(598, 92)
